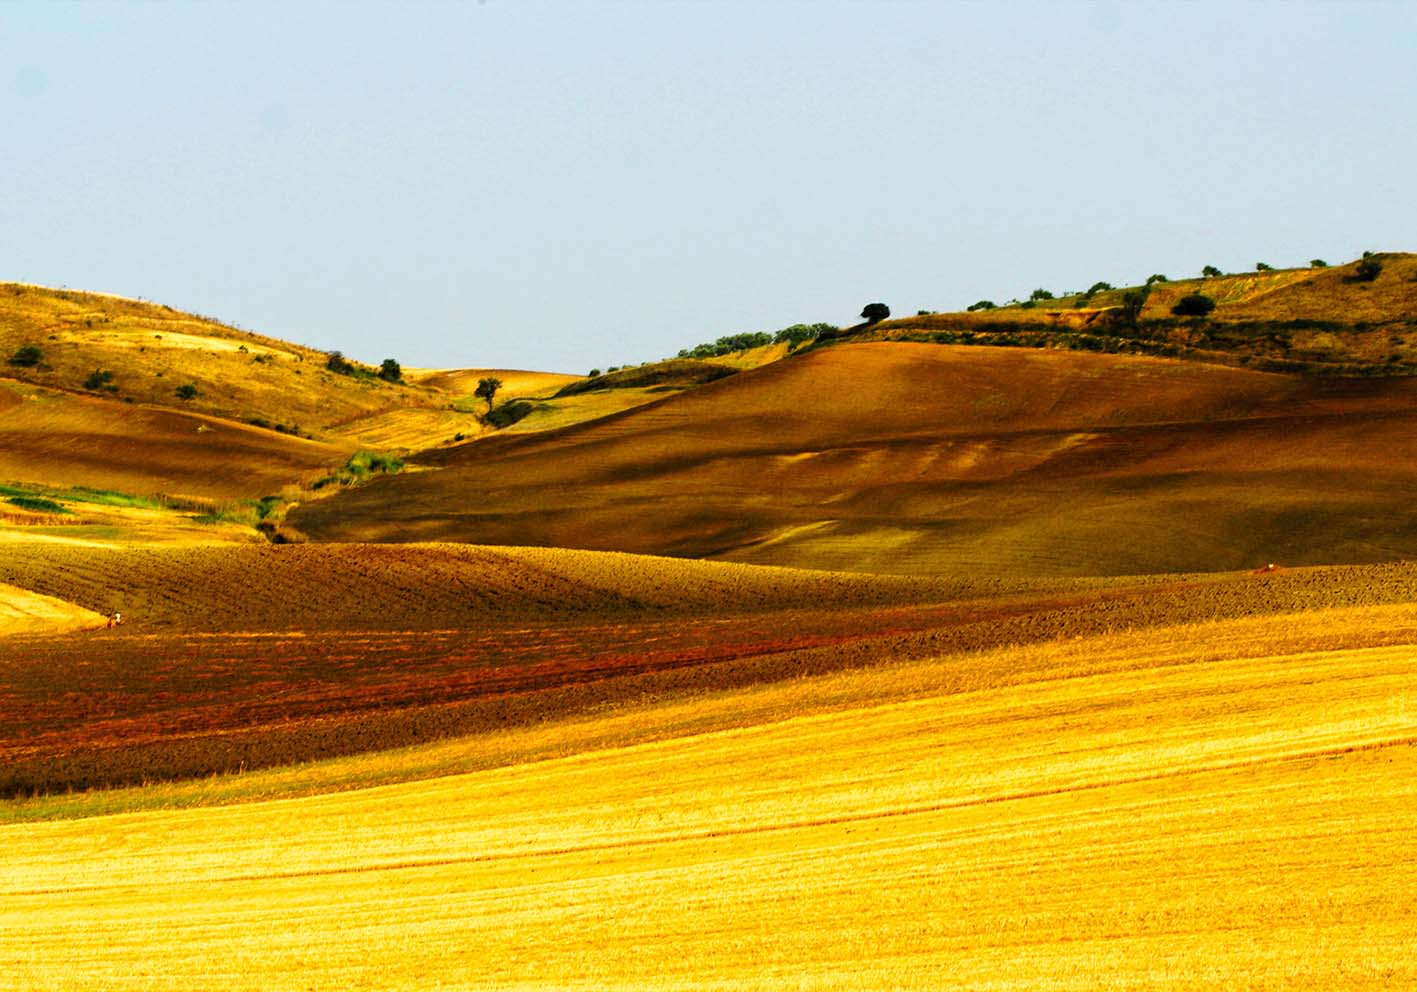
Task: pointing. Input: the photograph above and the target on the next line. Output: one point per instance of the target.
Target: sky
(561, 186)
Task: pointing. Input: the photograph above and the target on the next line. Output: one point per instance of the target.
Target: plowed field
(351, 649)
(914, 458)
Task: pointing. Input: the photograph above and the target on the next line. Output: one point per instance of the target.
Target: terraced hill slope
(903, 457)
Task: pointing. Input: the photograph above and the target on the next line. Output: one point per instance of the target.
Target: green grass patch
(39, 504)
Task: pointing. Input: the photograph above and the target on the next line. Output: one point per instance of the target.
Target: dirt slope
(63, 439)
(920, 458)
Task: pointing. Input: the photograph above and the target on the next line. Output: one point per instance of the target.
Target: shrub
(100, 379)
(1097, 287)
(1317, 263)
(796, 334)
(390, 371)
(593, 373)
(1368, 269)
(338, 364)
(1193, 305)
(509, 413)
(1156, 277)
(187, 391)
(982, 305)
(1040, 294)
(875, 312)
(1209, 271)
(27, 356)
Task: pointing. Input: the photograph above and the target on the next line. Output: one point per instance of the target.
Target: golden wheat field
(1214, 806)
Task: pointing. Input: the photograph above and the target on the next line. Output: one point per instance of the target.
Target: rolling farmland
(1218, 804)
(886, 665)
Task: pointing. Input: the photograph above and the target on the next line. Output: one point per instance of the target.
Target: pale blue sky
(567, 185)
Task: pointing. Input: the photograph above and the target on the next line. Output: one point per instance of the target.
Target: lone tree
(486, 389)
(1209, 271)
(390, 371)
(1193, 305)
(874, 312)
(1132, 302)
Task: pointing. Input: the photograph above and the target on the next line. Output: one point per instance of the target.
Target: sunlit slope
(64, 439)
(1214, 806)
(151, 350)
(900, 457)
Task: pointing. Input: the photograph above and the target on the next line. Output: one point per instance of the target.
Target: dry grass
(1212, 806)
(25, 612)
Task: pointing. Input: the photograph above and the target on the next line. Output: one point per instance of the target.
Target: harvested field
(25, 612)
(1214, 805)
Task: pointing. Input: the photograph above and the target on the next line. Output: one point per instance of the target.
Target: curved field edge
(1179, 808)
(672, 705)
(221, 702)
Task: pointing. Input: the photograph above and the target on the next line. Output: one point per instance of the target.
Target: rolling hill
(914, 458)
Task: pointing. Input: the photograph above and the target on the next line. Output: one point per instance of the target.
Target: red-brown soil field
(342, 649)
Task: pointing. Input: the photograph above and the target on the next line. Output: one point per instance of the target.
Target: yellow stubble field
(1226, 805)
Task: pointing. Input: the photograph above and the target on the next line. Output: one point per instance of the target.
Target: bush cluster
(793, 336)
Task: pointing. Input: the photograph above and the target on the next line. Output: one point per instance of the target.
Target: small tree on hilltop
(1317, 263)
(487, 389)
(875, 312)
(1040, 294)
(1156, 277)
(1210, 271)
(1263, 267)
(982, 305)
(391, 371)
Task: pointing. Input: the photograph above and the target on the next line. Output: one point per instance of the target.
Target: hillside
(1325, 320)
(904, 457)
(150, 350)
